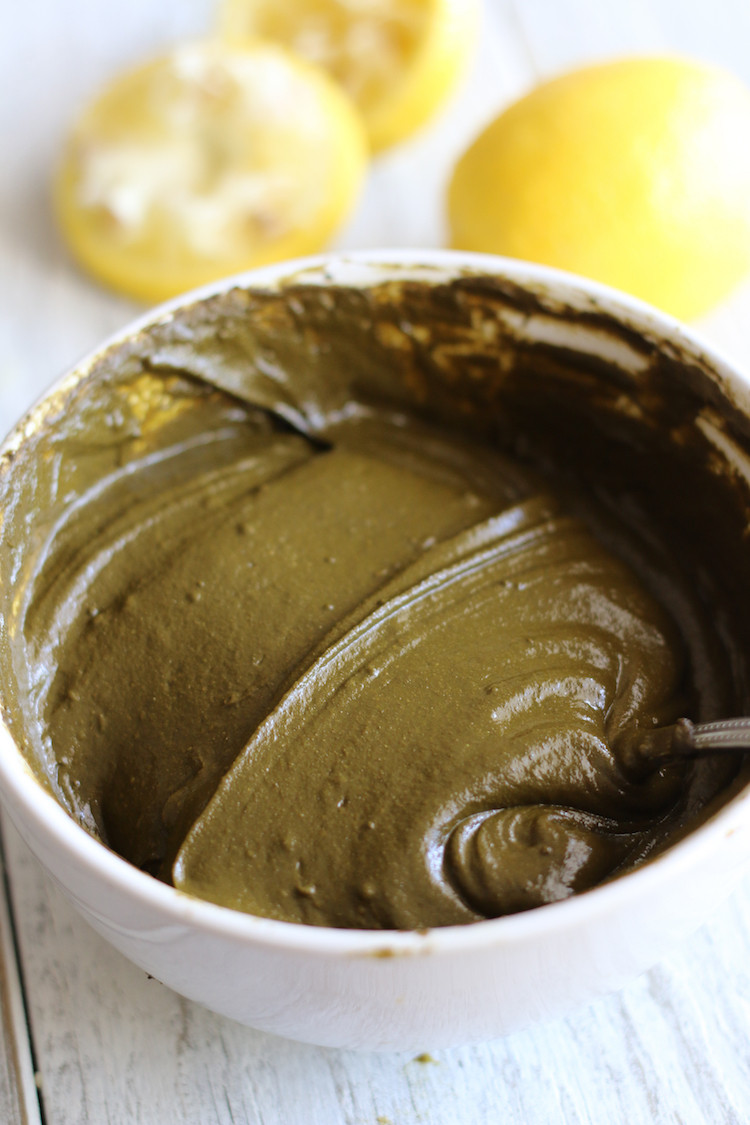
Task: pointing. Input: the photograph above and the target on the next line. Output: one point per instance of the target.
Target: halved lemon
(207, 161)
(397, 59)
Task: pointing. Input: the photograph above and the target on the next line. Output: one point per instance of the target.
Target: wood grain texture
(11, 1029)
(19, 1103)
(115, 1047)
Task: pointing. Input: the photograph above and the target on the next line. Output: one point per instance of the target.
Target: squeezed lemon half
(207, 161)
(635, 173)
(397, 59)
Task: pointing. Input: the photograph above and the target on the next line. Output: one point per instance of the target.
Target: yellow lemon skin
(635, 173)
(397, 59)
(205, 162)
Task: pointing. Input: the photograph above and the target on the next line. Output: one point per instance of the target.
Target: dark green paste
(320, 625)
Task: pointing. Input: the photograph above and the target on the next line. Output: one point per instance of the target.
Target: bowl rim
(20, 787)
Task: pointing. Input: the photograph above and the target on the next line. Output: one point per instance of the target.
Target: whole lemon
(635, 173)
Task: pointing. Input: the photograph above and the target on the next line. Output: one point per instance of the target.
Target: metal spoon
(686, 739)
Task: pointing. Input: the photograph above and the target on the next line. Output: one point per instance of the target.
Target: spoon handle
(685, 739)
(725, 734)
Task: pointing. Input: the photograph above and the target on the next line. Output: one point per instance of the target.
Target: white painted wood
(19, 1104)
(115, 1047)
(564, 35)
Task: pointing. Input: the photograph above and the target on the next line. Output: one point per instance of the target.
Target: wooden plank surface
(19, 1101)
(117, 1047)
(113, 1046)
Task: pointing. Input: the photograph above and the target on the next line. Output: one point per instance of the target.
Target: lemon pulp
(398, 59)
(207, 161)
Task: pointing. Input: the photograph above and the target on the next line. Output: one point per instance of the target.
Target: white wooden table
(87, 1038)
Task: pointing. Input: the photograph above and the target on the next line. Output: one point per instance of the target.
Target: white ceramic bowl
(386, 990)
